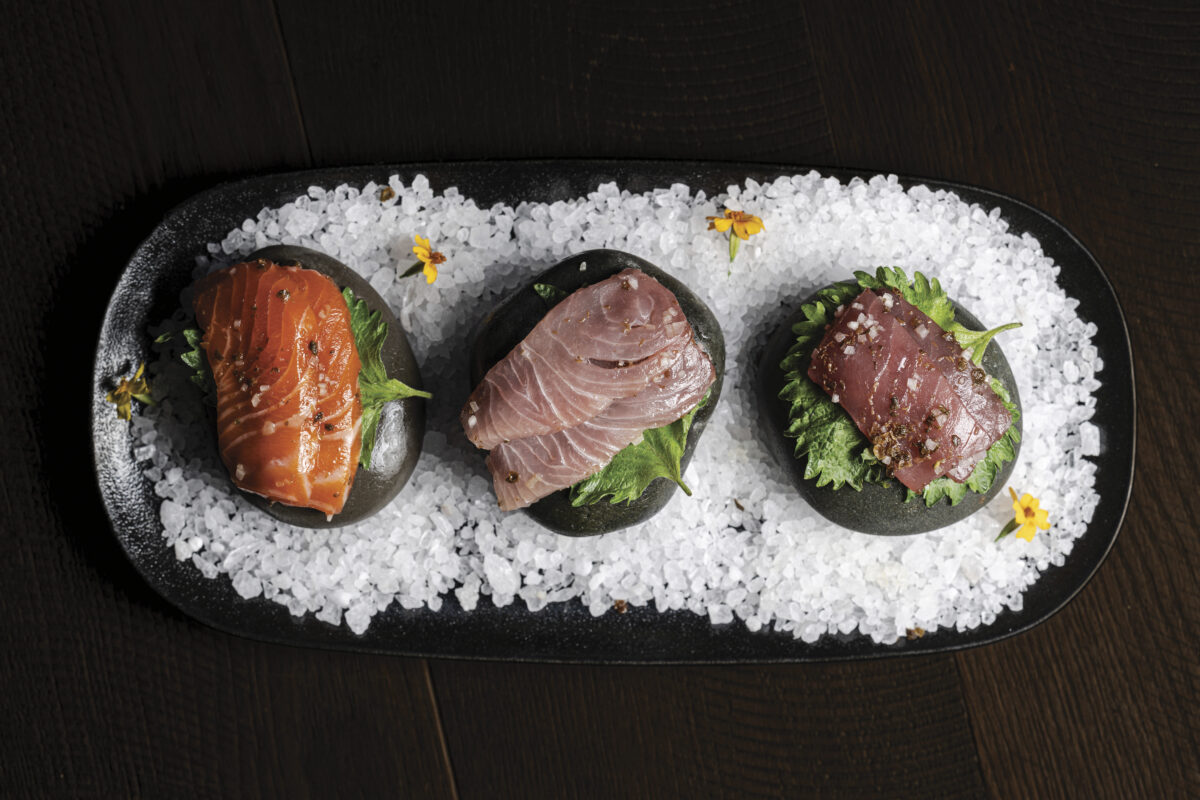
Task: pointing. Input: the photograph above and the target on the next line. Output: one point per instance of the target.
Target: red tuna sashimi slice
(283, 358)
(875, 360)
(982, 419)
(907, 383)
(875, 372)
(527, 469)
(947, 435)
(970, 383)
(602, 343)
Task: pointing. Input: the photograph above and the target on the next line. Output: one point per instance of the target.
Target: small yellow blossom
(127, 390)
(740, 226)
(429, 259)
(1027, 517)
(744, 225)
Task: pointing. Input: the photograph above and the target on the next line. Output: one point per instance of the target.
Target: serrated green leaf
(657, 455)
(826, 437)
(374, 386)
(194, 358)
(924, 294)
(945, 487)
(977, 341)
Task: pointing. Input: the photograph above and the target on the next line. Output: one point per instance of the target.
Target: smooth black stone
(372, 489)
(876, 509)
(512, 321)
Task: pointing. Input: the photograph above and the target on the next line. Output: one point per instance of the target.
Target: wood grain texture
(462, 80)
(1091, 111)
(895, 729)
(109, 113)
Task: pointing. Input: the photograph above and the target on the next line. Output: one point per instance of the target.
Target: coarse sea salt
(744, 547)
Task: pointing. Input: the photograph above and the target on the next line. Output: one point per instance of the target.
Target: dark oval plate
(513, 319)
(149, 289)
(876, 509)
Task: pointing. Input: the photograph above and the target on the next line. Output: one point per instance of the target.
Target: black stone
(876, 509)
(372, 489)
(512, 321)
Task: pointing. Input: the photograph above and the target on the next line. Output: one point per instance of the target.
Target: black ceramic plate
(149, 289)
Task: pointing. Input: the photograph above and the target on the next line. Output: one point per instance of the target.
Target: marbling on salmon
(282, 354)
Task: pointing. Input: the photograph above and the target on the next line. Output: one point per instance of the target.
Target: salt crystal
(382, 279)
(1089, 439)
(173, 516)
(500, 574)
(247, 585)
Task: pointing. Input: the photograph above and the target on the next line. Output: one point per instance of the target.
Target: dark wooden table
(110, 112)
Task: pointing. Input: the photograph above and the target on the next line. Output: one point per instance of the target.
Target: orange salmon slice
(282, 354)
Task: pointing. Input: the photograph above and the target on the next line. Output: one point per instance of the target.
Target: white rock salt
(772, 563)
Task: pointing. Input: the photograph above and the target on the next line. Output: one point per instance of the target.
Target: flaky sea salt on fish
(284, 362)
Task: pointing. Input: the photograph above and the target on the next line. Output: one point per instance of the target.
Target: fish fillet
(283, 358)
(602, 343)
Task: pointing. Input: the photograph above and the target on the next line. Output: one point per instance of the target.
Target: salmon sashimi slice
(602, 343)
(283, 359)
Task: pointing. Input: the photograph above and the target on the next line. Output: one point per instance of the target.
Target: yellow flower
(430, 258)
(1028, 515)
(127, 390)
(744, 226)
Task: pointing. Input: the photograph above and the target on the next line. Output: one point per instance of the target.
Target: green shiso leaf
(374, 386)
(657, 455)
(924, 294)
(836, 452)
(977, 341)
(551, 294)
(194, 358)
